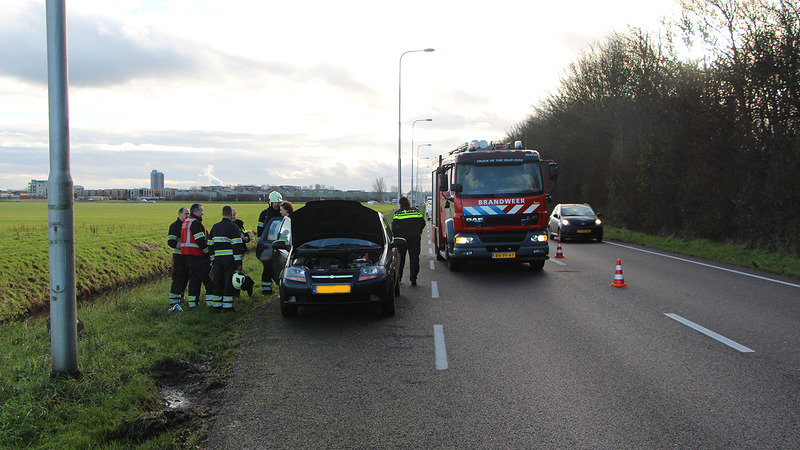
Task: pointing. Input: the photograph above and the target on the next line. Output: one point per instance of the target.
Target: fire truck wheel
(453, 264)
(537, 265)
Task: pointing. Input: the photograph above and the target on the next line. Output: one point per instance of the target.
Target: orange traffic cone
(618, 280)
(559, 252)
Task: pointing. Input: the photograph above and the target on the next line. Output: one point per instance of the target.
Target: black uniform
(225, 242)
(266, 276)
(194, 246)
(408, 224)
(179, 275)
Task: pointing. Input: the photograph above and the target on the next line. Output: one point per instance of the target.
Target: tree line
(692, 148)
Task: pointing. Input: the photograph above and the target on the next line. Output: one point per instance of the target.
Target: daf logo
(474, 219)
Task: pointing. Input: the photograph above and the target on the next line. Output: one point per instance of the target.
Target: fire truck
(489, 203)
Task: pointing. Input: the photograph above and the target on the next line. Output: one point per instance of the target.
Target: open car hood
(336, 219)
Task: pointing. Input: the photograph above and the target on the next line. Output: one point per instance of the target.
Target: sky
(264, 92)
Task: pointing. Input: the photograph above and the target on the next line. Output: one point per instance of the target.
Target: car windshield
(339, 243)
(507, 179)
(576, 210)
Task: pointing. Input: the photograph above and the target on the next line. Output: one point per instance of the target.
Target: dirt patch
(189, 394)
(146, 248)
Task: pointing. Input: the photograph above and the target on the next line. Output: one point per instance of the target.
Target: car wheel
(397, 287)
(537, 265)
(387, 302)
(600, 238)
(287, 310)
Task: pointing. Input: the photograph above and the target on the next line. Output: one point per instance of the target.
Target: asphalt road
(690, 354)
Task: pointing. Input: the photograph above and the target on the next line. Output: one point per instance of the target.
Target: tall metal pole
(413, 191)
(400, 121)
(60, 211)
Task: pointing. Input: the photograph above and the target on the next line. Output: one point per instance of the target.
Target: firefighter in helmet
(273, 211)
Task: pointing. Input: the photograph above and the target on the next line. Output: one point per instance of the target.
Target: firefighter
(273, 211)
(408, 224)
(179, 275)
(194, 246)
(226, 252)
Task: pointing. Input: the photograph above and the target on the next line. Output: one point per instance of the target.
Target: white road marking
(433, 266)
(557, 262)
(707, 265)
(441, 351)
(434, 289)
(711, 334)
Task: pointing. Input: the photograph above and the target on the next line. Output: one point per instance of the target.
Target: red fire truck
(489, 203)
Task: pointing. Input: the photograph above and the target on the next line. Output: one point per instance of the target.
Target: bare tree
(379, 186)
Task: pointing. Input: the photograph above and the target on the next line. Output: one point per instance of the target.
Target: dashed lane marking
(710, 333)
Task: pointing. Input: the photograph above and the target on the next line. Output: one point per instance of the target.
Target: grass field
(116, 244)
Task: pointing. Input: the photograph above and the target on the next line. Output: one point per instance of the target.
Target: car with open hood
(336, 252)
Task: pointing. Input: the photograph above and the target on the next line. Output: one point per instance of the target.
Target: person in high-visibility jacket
(227, 249)
(194, 246)
(273, 211)
(408, 224)
(179, 275)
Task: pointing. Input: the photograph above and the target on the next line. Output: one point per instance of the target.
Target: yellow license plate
(584, 231)
(332, 289)
(504, 255)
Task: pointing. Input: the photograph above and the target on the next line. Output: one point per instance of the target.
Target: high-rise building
(156, 180)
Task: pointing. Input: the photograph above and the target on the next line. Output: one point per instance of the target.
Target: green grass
(128, 339)
(772, 262)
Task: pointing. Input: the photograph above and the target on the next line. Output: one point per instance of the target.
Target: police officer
(408, 224)
(179, 275)
(274, 210)
(226, 252)
(194, 246)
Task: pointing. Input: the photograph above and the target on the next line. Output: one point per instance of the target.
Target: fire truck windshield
(499, 180)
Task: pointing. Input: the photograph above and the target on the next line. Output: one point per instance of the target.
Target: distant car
(428, 206)
(336, 252)
(575, 221)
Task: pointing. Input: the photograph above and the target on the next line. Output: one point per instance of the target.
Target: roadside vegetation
(696, 148)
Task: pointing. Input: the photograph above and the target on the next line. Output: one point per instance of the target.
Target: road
(690, 355)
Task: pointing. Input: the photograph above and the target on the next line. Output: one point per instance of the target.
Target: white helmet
(238, 280)
(275, 197)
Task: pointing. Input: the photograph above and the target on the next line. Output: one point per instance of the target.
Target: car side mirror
(398, 242)
(443, 182)
(599, 216)
(281, 245)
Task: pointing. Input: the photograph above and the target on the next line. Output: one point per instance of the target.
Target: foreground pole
(60, 211)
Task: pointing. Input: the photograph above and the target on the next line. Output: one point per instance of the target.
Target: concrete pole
(60, 211)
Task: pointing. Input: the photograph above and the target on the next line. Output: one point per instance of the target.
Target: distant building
(38, 188)
(156, 180)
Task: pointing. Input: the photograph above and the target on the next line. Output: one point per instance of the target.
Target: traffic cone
(559, 252)
(618, 280)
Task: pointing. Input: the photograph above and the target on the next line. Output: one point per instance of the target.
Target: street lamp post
(400, 120)
(419, 178)
(413, 192)
(412, 151)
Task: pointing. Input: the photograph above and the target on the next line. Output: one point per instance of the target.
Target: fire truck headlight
(461, 240)
(539, 238)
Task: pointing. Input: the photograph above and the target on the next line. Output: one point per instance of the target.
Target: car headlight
(371, 273)
(598, 222)
(564, 222)
(464, 240)
(539, 238)
(295, 274)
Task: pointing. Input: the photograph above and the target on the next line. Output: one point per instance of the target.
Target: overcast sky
(291, 92)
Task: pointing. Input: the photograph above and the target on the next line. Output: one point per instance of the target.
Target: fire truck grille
(489, 238)
(509, 219)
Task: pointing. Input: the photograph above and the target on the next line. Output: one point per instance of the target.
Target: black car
(336, 252)
(575, 221)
